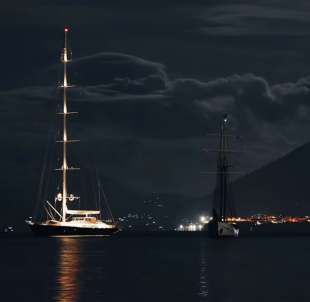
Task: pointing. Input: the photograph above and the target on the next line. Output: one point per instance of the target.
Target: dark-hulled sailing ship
(62, 221)
(219, 226)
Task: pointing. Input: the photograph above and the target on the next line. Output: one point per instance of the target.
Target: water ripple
(68, 279)
(203, 280)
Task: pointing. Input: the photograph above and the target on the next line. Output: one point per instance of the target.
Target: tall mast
(65, 60)
(223, 170)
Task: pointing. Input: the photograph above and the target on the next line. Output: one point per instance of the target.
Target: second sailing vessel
(60, 219)
(219, 226)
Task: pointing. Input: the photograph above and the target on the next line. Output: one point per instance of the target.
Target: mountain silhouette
(280, 187)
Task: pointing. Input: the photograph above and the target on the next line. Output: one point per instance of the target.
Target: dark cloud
(199, 39)
(127, 79)
(122, 70)
(136, 98)
(255, 19)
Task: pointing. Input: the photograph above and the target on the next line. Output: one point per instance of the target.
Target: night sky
(153, 79)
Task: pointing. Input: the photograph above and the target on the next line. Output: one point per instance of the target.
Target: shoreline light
(202, 219)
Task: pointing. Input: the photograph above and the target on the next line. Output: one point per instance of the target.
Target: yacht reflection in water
(68, 279)
(203, 280)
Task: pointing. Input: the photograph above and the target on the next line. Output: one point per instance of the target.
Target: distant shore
(246, 230)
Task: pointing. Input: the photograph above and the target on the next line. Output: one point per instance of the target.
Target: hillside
(279, 187)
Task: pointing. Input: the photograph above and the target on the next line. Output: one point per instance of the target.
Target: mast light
(225, 119)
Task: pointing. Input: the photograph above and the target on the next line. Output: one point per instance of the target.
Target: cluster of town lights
(263, 219)
(255, 219)
(196, 226)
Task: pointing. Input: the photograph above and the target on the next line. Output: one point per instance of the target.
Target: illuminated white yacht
(219, 226)
(61, 221)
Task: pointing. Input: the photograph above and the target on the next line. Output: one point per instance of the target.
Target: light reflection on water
(145, 269)
(68, 279)
(203, 280)
(154, 269)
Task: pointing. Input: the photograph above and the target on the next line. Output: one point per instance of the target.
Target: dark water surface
(154, 268)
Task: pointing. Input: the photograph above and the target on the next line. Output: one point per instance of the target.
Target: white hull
(227, 230)
(56, 228)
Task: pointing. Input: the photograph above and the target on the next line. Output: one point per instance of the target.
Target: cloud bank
(255, 19)
(135, 105)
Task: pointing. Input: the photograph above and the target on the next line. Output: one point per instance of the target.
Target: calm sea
(154, 268)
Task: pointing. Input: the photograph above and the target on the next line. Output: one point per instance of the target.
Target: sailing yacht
(219, 226)
(62, 221)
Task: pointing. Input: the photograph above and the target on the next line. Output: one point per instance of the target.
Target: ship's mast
(65, 60)
(223, 170)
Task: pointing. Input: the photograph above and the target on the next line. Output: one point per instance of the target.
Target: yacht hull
(217, 229)
(56, 230)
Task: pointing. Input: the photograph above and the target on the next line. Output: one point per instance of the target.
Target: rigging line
(232, 204)
(53, 209)
(83, 179)
(98, 201)
(107, 204)
(99, 187)
(43, 171)
(92, 183)
(49, 215)
(86, 186)
(49, 173)
(39, 192)
(92, 166)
